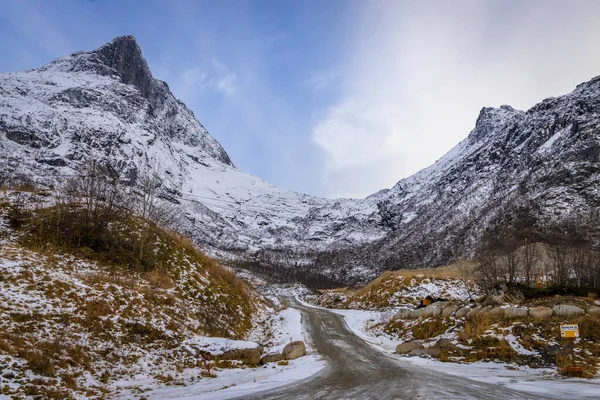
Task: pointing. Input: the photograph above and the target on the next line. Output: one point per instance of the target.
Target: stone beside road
(294, 350)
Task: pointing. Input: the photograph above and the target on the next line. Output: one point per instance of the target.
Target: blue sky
(332, 98)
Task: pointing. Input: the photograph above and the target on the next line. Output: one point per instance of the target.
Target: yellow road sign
(569, 331)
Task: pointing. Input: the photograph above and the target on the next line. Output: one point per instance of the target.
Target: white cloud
(215, 77)
(321, 79)
(225, 80)
(421, 71)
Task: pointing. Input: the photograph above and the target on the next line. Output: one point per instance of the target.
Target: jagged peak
(124, 55)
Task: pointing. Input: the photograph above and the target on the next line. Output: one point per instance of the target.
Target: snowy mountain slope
(105, 105)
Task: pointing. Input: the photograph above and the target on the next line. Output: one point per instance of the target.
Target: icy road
(358, 371)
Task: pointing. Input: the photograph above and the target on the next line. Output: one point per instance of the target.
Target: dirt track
(357, 371)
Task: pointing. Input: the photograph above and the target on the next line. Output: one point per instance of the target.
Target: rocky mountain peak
(125, 56)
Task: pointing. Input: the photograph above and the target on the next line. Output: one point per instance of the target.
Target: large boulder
(567, 311)
(540, 313)
(462, 312)
(594, 310)
(437, 308)
(294, 350)
(516, 313)
(431, 352)
(424, 312)
(248, 356)
(497, 313)
(403, 314)
(447, 345)
(448, 311)
(473, 312)
(271, 357)
(405, 348)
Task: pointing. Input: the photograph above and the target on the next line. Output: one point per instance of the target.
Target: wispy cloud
(421, 71)
(216, 77)
(224, 80)
(322, 79)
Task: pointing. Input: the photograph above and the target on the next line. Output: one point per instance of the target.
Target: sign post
(571, 332)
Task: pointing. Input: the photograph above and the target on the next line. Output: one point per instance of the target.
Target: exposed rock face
(567, 311)
(294, 350)
(105, 105)
(125, 56)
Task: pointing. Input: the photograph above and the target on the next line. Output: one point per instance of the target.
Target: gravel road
(357, 371)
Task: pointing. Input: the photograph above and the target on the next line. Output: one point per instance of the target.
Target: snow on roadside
(237, 382)
(285, 327)
(520, 378)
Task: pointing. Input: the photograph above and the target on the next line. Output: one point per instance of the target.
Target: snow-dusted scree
(105, 105)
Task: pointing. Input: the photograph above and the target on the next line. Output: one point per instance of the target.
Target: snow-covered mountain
(105, 105)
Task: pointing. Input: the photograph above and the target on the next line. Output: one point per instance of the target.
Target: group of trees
(519, 250)
(93, 211)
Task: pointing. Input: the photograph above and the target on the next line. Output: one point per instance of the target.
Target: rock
(433, 351)
(448, 311)
(594, 310)
(424, 312)
(294, 350)
(437, 308)
(462, 312)
(405, 348)
(567, 311)
(541, 313)
(417, 353)
(271, 357)
(552, 349)
(495, 298)
(473, 312)
(516, 313)
(447, 345)
(484, 311)
(496, 313)
(403, 314)
(190, 351)
(248, 356)
(137, 338)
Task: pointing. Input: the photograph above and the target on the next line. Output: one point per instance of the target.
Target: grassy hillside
(497, 327)
(403, 287)
(91, 306)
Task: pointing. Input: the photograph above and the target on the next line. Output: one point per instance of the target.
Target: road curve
(357, 371)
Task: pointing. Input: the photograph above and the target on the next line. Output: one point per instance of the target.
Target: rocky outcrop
(105, 105)
(293, 350)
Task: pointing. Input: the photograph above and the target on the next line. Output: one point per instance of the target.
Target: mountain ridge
(105, 104)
